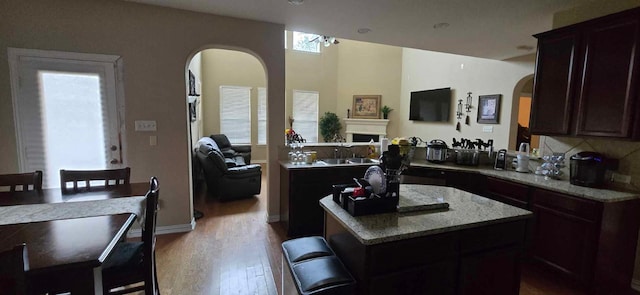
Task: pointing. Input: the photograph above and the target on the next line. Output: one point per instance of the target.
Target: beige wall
(370, 69)
(428, 70)
(156, 45)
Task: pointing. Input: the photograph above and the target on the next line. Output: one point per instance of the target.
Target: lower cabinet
(508, 192)
(301, 190)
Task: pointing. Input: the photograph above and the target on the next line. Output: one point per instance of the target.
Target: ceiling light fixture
(440, 25)
(326, 40)
(295, 2)
(364, 30)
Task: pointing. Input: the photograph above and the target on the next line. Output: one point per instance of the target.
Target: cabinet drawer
(396, 256)
(587, 209)
(493, 236)
(509, 192)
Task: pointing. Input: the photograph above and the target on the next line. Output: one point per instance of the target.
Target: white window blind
(303, 42)
(235, 113)
(305, 114)
(262, 115)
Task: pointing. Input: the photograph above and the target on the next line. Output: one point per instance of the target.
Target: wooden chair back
(25, 181)
(149, 237)
(108, 179)
(13, 267)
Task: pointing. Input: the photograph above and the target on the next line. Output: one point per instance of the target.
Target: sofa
(227, 179)
(232, 151)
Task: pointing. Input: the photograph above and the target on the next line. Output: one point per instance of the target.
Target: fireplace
(363, 130)
(365, 137)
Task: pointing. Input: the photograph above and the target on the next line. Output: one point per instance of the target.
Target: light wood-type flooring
(233, 250)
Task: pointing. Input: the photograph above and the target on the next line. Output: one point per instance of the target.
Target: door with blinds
(67, 111)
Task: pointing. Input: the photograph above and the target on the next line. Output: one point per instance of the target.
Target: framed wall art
(366, 106)
(489, 109)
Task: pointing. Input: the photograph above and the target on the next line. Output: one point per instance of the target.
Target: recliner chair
(232, 152)
(223, 181)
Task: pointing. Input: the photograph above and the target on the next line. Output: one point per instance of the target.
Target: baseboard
(273, 218)
(635, 284)
(167, 229)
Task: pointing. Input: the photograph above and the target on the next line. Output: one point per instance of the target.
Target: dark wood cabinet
(508, 192)
(467, 181)
(565, 233)
(586, 79)
(301, 190)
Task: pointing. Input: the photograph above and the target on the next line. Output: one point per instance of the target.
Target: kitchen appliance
(587, 169)
(523, 158)
(501, 160)
(437, 151)
(467, 157)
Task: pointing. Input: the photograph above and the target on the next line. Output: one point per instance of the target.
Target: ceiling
(481, 28)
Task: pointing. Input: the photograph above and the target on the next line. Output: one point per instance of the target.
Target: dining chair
(109, 179)
(25, 181)
(13, 267)
(135, 262)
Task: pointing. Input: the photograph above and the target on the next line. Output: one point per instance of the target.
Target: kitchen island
(474, 247)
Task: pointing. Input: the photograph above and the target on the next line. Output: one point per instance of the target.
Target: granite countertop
(466, 210)
(561, 186)
(320, 164)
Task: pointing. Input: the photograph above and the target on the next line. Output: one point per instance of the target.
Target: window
(305, 114)
(68, 112)
(235, 113)
(262, 115)
(305, 42)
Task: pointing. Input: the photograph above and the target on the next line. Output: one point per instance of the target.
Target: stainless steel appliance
(587, 169)
(501, 160)
(437, 151)
(467, 157)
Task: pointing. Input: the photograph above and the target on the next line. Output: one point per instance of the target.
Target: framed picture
(489, 109)
(366, 106)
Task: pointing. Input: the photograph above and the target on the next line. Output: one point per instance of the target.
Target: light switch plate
(145, 125)
(487, 129)
(153, 140)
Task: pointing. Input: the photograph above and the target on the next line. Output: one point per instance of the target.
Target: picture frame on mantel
(366, 106)
(489, 109)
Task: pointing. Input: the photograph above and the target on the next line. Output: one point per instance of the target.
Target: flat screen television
(430, 105)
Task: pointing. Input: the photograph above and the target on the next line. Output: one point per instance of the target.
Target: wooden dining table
(66, 255)
(68, 236)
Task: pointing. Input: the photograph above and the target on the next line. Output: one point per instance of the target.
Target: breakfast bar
(473, 247)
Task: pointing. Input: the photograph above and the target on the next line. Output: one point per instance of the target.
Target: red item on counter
(359, 192)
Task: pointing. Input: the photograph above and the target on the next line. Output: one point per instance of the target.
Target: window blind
(262, 115)
(235, 113)
(305, 114)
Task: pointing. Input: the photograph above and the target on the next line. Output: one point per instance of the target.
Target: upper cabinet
(586, 79)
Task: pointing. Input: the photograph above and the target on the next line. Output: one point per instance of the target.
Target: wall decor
(192, 85)
(489, 109)
(366, 106)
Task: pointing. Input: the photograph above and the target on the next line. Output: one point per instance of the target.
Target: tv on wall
(430, 105)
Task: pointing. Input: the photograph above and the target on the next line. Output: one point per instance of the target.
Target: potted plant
(385, 111)
(329, 125)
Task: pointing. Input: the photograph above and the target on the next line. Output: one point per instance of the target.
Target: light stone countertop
(54, 211)
(561, 186)
(466, 210)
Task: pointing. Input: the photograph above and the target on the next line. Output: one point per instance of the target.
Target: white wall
(422, 70)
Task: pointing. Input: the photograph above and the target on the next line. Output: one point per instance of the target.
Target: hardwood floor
(234, 251)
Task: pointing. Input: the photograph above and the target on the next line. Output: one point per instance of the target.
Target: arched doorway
(522, 94)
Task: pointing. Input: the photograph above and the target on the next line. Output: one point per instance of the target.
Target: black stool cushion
(300, 249)
(320, 273)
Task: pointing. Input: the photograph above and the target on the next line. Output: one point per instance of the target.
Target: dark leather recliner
(224, 181)
(232, 152)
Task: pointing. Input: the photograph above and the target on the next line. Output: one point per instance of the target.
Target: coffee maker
(587, 169)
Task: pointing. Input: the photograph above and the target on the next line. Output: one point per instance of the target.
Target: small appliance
(587, 169)
(501, 160)
(437, 151)
(523, 158)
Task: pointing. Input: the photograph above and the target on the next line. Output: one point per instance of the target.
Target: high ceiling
(482, 28)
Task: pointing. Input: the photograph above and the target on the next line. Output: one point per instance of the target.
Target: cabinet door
(565, 233)
(608, 88)
(508, 192)
(555, 73)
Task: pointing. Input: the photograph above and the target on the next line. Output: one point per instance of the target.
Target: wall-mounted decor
(192, 85)
(489, 109)
(366, 106)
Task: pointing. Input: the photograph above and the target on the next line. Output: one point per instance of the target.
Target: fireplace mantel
(365, 126)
